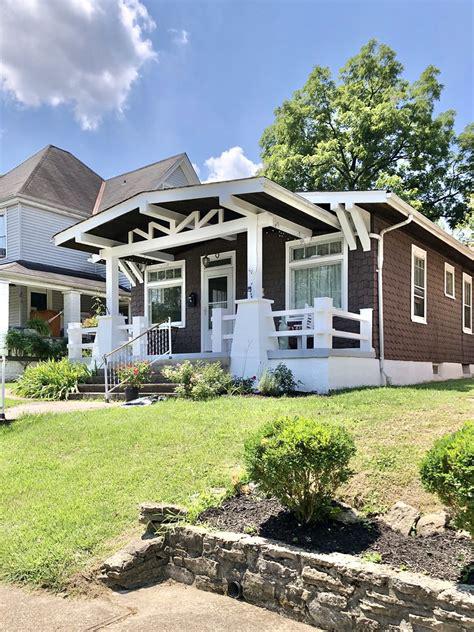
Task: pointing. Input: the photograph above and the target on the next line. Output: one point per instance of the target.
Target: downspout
(380, 260)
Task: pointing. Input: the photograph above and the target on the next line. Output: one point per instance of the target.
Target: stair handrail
(160, 326)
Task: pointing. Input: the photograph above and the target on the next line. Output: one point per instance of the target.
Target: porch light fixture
(206, 261)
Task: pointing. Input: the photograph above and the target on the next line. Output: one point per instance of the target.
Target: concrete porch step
(114, 397)
(155, 388)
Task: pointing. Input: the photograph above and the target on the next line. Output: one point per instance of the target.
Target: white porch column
(254, 258)
(72, 308)
(112, 285)
(253, 325)
(323, 315)
(4, 306)
(139, 325)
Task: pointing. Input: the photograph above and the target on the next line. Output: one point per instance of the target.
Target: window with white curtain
(164, 294)
(3, 236)
(316, 269)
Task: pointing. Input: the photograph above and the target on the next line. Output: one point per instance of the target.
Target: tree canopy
(373, 129)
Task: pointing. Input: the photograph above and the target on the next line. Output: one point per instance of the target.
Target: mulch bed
(445, 556)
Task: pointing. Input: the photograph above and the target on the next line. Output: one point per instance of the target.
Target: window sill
(465, 330)
(419, 320)
(451, 296)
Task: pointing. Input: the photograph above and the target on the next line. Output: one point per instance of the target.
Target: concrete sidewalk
(63, 406)
(167, 607)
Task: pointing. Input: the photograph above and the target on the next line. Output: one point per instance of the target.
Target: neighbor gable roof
(56, 177)
(149, 177)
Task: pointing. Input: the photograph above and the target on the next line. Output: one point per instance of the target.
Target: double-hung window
(449, 281)
(3, 236)
(165, 294)
(418, 285)
(466, 303)
(316, 268)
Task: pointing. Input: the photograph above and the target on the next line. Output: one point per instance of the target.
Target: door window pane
(217, 293)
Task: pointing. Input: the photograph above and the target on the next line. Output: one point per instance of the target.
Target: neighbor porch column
(4, 306)
(72, 308)
(112, 285)
(254, 258)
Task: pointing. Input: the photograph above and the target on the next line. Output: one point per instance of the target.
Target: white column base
(251, 341)
(108, 336)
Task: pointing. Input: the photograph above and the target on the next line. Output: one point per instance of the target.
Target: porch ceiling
(114, 225)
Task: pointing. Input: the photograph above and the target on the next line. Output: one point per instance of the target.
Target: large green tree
(373, 129)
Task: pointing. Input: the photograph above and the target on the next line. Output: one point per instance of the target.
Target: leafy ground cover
(70, 484)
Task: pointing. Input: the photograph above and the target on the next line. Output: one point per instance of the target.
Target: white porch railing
(76, 344)
(151, 345)
(222, 330)
(317, 322)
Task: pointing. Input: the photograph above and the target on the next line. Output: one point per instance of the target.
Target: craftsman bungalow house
(346, 288)
(51, 191)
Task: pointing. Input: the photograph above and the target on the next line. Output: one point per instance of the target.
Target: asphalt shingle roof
(128, 184)
(56, 177)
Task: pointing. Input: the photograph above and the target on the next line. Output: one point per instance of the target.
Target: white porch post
(366, 329)
(72, 308)
(254, 258)
(4, 306)
(112, 285)
(323, 315)
(139, 346)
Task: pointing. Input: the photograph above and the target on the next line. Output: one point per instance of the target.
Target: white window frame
(342, 257)
(420, 254)
(167, 283)
(466, 278)
(38, 290)
(448, 268)
(4, 215)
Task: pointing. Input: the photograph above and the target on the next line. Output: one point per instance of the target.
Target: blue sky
(210, 76)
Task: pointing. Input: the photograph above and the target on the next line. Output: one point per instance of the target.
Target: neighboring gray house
(47, 193)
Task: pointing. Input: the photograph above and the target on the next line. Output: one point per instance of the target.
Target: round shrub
(198, 381)
(53, 379)
(301, 462)
(448, 471)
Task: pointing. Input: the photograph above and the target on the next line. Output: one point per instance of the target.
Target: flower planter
(131, 393)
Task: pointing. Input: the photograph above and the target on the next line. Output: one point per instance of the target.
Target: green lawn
(70, 484)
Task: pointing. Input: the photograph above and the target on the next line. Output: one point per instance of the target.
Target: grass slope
(71, 483)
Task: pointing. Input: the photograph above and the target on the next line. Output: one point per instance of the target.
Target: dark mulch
(444, 556)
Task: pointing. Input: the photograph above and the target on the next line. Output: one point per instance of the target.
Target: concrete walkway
(64, 406)
(167, 607)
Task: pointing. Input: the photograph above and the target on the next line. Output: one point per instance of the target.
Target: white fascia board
(26, 281)
(98, 242)
(301, 203)
(340, 197)
(403, 207)
(24, 200)
(197, 191)
(393, 200)
(181, 239)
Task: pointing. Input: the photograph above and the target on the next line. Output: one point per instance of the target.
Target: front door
(217, 291)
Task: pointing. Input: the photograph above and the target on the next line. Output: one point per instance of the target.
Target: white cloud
(179, 36)
(84, 53)
(231, 164)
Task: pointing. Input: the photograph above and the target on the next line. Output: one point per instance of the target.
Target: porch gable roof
(202, 207)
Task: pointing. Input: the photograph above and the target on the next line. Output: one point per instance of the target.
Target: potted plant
(134, 376)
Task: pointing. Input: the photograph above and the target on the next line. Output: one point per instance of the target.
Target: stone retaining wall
(333, 592)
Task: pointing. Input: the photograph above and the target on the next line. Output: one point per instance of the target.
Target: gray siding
(13, 234)
(14, 315)
(37, 229)
(176, 179)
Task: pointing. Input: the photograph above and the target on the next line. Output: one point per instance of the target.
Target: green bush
(448, 471)
(301, 462)
(39, 325)
(53, 379)
(278, 381)
(30, 344)
(198, 381)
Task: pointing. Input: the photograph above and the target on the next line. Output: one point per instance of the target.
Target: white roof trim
(197, 191)
(387, 197)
